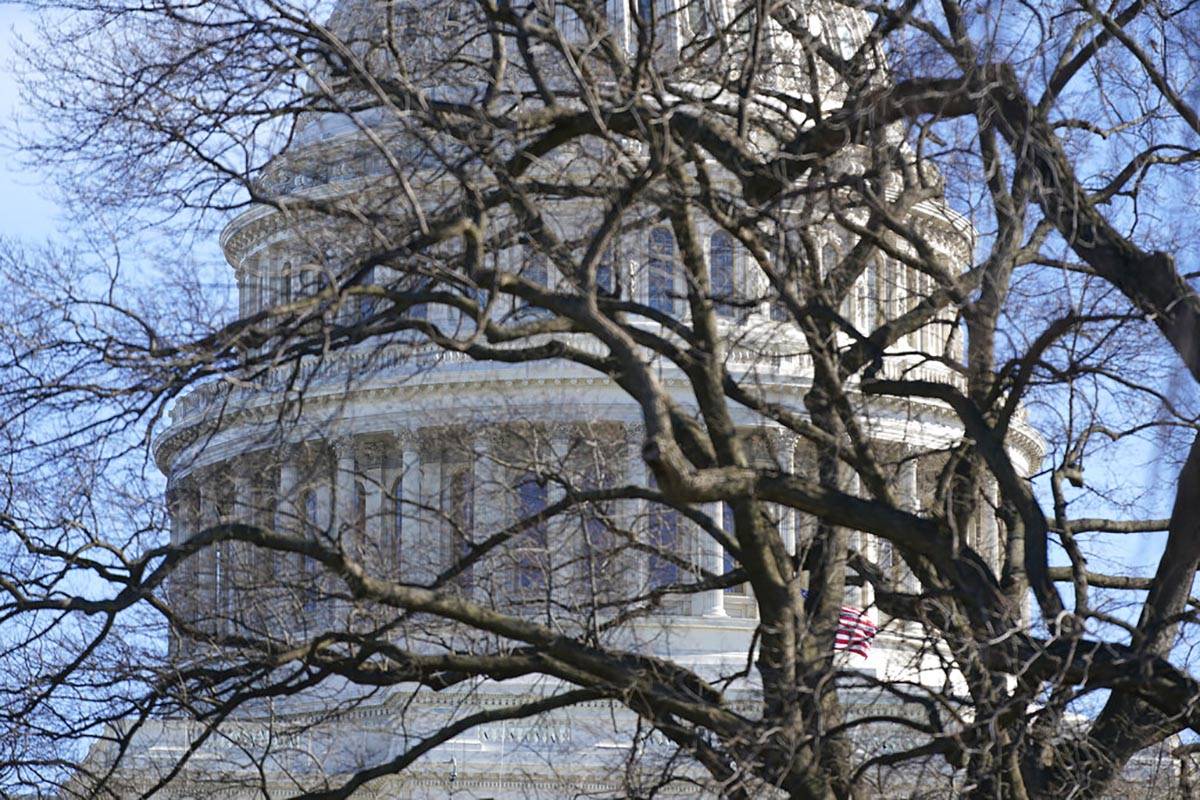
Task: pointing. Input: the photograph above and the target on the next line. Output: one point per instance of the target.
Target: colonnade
(408, 504)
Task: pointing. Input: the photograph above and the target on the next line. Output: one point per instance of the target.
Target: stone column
(373, 474)
(408, 552)
(563, 546)
(788, 521)
(862, 542)
(186, 522)
(287, 509)
(713, 560)
(342, 524)
(910, 501)
(288, 521)
(619, 10)
(806, 524)
(260, 561)
(636, 521)
(345, 476)
(990, 527)
(485, 516)
(175, 511)
(433, 551)
(209, 562)
(241, 554)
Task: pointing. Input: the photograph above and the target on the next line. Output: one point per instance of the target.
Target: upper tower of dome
(447, 48)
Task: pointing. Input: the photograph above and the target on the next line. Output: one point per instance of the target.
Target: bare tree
(561, 326)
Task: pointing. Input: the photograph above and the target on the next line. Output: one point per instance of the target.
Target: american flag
(855, 631)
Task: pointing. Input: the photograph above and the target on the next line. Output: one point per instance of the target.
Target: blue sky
(27, 210)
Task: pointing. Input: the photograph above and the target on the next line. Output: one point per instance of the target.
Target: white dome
(384, 435)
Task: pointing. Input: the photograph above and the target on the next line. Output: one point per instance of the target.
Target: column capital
(635, 433)
(784, 436)
(372, 449)
(344, 446)
(485, 437)
(781, 447)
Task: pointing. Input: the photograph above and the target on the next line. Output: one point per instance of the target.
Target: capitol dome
(423, 453)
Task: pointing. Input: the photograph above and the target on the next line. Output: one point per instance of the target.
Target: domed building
(433, 466)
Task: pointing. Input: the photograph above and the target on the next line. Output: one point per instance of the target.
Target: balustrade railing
(409, 362)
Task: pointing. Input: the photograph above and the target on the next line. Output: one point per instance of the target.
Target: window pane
(606, 282)
(664, 538)
(598, 541)
(532, 552)
(309, 508)
(660, 277)
(727, 525)
(720, 254)
(366, 303)
(535, 270)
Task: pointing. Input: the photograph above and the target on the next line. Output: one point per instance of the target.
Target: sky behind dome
(27, 210)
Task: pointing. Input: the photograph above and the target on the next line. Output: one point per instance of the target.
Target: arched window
(313, 280)
(283, 285)
(216, 508)
(878, 295)
(535, 270)
(721, 267)
(666, 539)
(660, 271)
(309, 510)
(314, 285)
(420, 311)
(251, 289)
(408, 24)
(665, 535)
(323, 283)
(608, 282)
(532, 568)
(779, 311)
(185, 523)
(258, 291)
(779, 308)
(568, 22)
(599, 543)
(367, 302)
